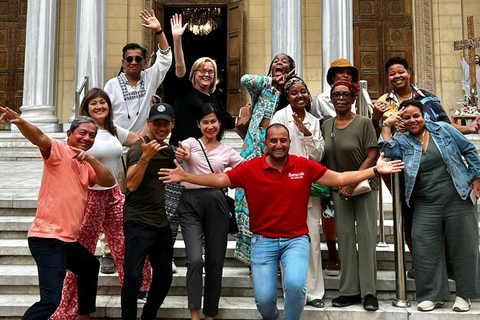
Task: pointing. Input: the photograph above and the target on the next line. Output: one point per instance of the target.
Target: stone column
(337, 33)
(90, 51)
(38, 105)
(287, 30)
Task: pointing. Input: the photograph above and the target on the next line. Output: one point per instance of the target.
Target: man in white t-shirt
(130, 92)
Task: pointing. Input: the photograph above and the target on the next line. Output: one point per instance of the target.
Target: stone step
(12, 307)
(16, 252)
(23, 279)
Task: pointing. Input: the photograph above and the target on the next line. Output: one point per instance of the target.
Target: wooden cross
(471, 43)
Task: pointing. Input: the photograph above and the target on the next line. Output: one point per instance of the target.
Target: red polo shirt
(277, 201)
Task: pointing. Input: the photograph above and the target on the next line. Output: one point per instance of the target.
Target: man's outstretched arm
(215, 180)
(29, 131)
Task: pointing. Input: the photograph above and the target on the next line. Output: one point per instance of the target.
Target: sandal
(317, 303)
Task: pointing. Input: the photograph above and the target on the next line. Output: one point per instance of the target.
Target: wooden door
(382, 29)
(234, 56)
(13, 17)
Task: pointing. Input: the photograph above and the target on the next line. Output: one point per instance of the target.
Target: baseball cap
(161, 111)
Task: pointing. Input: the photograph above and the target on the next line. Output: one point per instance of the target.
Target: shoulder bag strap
(201, 146)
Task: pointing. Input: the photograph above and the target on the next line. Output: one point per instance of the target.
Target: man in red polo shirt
(277, 187)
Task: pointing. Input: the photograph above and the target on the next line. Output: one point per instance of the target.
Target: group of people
(293, 140)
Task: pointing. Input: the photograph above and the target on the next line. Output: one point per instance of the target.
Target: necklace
(423, 135)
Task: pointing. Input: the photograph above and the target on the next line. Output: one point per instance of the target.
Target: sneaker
(142, 297)
(174, 267)
(345, 301)
(107, 266)
(370, 303)
(332, 269)
(461, 305)
(429, 305)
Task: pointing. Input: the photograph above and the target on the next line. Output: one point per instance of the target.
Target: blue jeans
(294, 254)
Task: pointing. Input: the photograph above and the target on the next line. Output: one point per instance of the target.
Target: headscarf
(352, 87)
(295, 80)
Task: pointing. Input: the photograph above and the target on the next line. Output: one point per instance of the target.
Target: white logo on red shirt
(295, 176)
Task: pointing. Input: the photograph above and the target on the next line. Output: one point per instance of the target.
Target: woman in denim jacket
(438, 184)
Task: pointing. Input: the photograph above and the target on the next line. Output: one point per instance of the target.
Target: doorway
(381, 29)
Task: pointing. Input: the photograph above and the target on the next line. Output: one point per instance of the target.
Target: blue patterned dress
(265, 98)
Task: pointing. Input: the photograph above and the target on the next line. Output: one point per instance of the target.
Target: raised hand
(301, 127)
(386, 167)
(474, 127)
(9, 116)
(151, 22)
(182, 153)
(176, 23)
(150, 149)
(172, 175)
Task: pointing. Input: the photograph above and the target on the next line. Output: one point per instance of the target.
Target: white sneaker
(430, 305)
(174, 267)
(461, 305)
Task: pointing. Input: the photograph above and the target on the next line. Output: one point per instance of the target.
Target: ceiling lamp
(202, 21)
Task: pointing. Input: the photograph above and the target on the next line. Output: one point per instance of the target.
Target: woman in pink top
(203, 211)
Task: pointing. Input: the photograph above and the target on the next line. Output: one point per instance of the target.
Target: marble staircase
(21, 171)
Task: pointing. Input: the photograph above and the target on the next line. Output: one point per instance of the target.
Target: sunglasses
(130, 59)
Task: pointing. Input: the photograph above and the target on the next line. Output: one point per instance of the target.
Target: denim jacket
(452, 146)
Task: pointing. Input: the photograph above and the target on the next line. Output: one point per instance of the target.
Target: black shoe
(345, 301)
(370, 303)
(107, 266)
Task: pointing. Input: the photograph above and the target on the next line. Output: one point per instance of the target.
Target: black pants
(142, 240)
(53, 258)
(203, 213)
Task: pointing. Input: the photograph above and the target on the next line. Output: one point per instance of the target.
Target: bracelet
(159, 32)
(375, 170)
(385, 124)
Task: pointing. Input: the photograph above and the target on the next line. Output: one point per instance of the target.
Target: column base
(41, 116)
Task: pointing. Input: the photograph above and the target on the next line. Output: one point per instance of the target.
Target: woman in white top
(203, 211)
(104, 209)
(306, 141)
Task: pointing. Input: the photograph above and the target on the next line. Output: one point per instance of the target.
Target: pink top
(220, 158)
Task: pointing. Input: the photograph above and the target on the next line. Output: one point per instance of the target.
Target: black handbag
(233, 226)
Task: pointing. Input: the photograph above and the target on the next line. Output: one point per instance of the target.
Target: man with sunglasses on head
(130, 91)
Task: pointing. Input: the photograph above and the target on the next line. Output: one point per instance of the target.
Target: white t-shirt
(322, 106)
(108, 150)
(138, 108)
(220, 158)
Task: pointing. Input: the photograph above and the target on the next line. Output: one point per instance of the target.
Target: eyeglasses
(205, 71)
(130, 59)
(345, 95)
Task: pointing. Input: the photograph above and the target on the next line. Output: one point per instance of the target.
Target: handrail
(400, 300)
(83, 88)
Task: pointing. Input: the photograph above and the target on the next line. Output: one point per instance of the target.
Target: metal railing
(83, 88)
(366, 109)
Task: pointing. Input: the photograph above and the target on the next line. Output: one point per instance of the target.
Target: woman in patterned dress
(266, 96)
